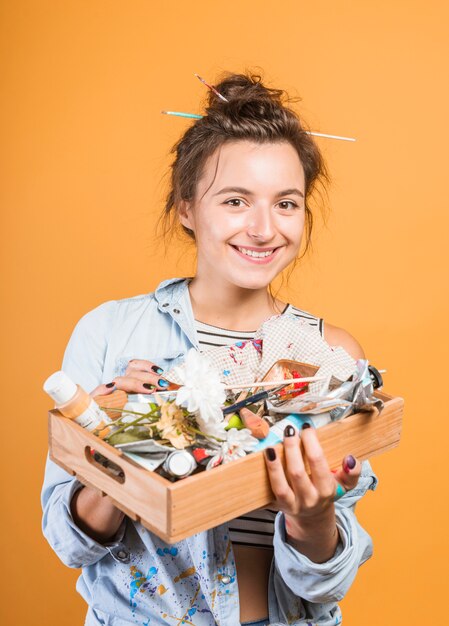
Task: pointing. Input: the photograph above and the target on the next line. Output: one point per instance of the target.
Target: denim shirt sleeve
(323, 584)
(71, 544)
(86, 350)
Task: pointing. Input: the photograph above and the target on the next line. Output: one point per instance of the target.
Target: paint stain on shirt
(185, 574)
(139, 579)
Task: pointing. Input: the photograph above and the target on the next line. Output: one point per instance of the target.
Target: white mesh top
(255, 528)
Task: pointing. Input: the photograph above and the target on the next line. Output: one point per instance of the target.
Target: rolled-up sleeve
(71, 544)
(83, 362)
(327, 582)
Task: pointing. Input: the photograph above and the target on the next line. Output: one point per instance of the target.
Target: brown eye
(294, 205)
(233, 200)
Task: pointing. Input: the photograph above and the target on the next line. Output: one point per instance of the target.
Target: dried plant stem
(133, 423)
(108, 408)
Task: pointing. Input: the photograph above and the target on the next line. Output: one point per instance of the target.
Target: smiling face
(249, 224)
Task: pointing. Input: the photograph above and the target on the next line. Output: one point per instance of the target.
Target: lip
(254, 260)
(255, 248)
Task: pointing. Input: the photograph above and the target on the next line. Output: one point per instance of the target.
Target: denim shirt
(139, 579)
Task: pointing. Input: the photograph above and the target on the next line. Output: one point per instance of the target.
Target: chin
(247, 282)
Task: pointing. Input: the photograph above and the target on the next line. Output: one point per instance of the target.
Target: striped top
(209, 336)
(255, 528)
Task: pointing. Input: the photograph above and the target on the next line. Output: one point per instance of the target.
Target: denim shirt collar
(170, 292)
(173, 298)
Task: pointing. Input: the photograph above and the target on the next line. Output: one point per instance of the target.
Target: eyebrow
(285, 192)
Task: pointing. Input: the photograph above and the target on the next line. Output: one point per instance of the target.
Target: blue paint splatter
(138, 581)
(171, 551)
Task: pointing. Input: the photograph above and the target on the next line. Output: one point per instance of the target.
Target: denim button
(122, 555)
(225, 579)
(176, 311)
(166, 304)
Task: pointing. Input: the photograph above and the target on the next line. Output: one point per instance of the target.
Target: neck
(230, 306)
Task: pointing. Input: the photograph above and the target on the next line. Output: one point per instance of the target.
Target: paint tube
(76, 404)
(179, 464)
(276, 434)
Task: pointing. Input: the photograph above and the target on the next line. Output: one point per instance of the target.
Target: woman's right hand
(140, 377)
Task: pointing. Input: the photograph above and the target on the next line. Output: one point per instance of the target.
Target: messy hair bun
(253, 112)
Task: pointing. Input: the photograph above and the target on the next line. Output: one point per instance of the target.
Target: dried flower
(173, 426)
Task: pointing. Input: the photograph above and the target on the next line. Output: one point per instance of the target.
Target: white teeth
(253, 253)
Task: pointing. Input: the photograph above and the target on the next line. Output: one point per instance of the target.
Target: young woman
(241, 184)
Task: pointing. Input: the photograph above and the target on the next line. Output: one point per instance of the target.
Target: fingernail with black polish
(305, 425)
(271, 454)
(349, 463)
(289, 431)
(148, 386)
(163, 383)
(156, 369)
(110, 385)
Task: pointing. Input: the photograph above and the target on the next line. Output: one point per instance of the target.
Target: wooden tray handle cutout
(106, 466)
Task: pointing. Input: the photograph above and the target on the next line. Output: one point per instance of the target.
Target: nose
(260, 224)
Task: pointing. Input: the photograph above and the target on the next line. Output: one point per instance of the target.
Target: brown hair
(253, 112)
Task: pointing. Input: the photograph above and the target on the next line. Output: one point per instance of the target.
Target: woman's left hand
(308, 501)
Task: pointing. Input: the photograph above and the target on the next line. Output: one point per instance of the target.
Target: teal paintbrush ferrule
(180, 114)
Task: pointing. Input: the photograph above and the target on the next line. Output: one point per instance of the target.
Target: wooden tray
(174, 511)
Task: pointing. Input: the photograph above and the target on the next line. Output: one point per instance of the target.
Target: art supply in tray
(271, 394)
(258, 426)
(75, 403)
(337, 399)
(179, 464)
(276, 434)
(146, 452)
(147, 460)
(289, 369)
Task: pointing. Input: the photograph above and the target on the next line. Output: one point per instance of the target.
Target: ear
(185, 214)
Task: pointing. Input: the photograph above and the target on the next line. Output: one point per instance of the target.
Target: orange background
(84, 151)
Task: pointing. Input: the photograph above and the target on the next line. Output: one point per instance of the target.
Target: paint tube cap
(376, 377)
(179, 464)
(60, 387)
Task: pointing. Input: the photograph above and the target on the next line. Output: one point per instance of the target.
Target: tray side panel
(141, 495)
(211, 498)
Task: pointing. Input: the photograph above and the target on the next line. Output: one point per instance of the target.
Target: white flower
(237, 444)
(201, 392)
